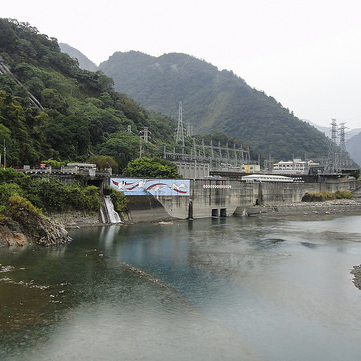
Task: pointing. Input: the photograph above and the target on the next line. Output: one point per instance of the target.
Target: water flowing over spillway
(110, 216)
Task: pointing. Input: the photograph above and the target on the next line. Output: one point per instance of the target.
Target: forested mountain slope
(80, 113)
(214, 100)
(353, 146)
(84, 62)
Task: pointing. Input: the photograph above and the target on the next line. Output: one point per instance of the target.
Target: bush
(7, 190)
(53, 163)
(19, 208)
(91, 196)
(54, 196)
(104, 161)
(119, 200)
(152, 168)
(325, 196)
(343, 194)
(8, 175)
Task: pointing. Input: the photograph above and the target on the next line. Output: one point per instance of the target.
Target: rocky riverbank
(308, 210)
(356, 271)
(77, 219)
(57, 223)
(42, 231)
(301, 210)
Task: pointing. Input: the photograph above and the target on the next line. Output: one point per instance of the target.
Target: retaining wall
(232, 197)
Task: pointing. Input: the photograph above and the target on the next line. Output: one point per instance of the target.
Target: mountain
(353, 140)
(212, 101)
(325, 130)
(50, 109)
(84, 62)
(353, 146)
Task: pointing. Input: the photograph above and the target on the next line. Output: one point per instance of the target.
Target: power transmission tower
(333, 162)
(144, 134)
(343, 152)
(180, 129)
(334, 131)
(189, 130)
(342, 137)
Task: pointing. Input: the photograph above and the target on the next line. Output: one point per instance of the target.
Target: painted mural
(155, 187)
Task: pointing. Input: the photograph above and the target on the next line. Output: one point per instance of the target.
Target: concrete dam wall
(218, 198)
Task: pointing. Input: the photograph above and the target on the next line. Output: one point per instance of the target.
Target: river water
(212, 289)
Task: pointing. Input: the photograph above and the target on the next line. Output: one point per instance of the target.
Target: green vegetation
(152, 168)
(119, 200)
(343, 194)
(103, 162)
(213, 101)
(81, 117)
(325, 196)
(44, 194)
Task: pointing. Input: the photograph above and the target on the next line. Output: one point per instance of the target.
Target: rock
(44, 232)
(356, 271)
(11, 234)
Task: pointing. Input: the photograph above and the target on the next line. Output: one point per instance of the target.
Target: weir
(108, 214)
(203, 198)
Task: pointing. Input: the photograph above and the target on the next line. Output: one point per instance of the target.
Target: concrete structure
(68, 173)
(79, 168)
(193, 170)
(296, 166)
(220, 198)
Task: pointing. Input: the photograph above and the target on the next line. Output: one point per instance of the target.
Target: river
(213, 289)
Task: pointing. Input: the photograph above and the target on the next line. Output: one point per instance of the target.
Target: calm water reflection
(224, 289)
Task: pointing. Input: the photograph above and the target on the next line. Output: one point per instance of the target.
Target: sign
(155, 187)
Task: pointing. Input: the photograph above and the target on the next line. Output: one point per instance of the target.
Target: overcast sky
(304, 53)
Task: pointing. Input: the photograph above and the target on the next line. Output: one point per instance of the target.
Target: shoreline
(356, 272)
(309, 210)
(301, 210)
(294, 211)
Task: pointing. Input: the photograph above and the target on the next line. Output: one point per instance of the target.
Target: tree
(152, 168)
(103, 161)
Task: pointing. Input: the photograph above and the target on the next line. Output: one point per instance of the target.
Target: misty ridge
(215, 100)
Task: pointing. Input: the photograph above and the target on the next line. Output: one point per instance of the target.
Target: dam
(203, 198)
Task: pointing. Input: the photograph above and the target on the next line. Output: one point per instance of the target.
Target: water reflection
(215, 289)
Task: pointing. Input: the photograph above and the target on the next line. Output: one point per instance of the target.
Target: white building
(296, 166)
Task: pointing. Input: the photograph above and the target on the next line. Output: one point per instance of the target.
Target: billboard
(155, 187)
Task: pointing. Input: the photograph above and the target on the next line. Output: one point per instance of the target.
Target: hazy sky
(304, 53)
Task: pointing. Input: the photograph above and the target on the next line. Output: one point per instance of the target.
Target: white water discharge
(111, 215)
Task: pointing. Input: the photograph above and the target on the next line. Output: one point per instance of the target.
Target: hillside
(84, 62)
(353, 140)
(353, 146)
(214, 100)
(50, 108)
